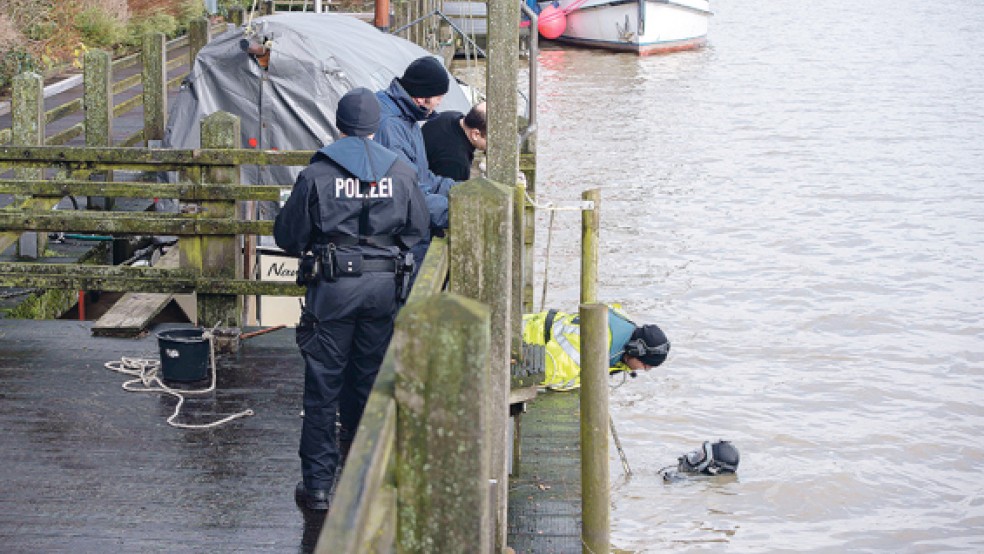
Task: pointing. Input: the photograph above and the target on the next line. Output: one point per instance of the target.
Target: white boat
(640, 26)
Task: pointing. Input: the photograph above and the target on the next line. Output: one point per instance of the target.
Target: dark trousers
(343, 334)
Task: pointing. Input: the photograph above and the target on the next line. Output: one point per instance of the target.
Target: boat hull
(649, 27)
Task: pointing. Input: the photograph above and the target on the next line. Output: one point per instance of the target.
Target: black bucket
(184, 355)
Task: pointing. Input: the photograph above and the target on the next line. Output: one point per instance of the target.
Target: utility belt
(326, 263)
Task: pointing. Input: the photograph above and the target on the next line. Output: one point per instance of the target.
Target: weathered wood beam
(136, 279)
(154, 159)
(131, 189)
(129, 223)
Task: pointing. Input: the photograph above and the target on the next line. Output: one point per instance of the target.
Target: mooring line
(146, 373)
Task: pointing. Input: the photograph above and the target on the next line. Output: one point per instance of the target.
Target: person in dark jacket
(408, 100)
(353, 213)
(451, 139)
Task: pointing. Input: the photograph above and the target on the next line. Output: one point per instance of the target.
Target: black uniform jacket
(353, 188)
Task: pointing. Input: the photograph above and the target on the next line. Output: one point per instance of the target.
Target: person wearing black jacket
(451, 139)
(353, 214)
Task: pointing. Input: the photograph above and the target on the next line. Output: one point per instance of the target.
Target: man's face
(477, 139)
(430, 103)
(636, 364)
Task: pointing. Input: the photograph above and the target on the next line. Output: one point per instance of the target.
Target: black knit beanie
(358, 113)
(425, 77)
(656, 342)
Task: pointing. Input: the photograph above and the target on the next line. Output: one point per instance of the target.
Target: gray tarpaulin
(314, 60)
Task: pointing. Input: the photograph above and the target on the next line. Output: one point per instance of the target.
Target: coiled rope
(148, 380)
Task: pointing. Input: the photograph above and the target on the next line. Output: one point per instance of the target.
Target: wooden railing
(99, 69)
(211, 235)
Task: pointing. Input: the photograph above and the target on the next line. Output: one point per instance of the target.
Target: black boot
(312, 499)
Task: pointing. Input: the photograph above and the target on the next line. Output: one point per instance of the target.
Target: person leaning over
(631, 348)
(408, 100)
(354, 212)
(451, 140)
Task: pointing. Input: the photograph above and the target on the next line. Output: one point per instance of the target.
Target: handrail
(446, 20)
(155, 159)
(74, 106)
(207, 210)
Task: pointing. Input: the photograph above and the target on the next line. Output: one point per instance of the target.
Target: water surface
(800, 206)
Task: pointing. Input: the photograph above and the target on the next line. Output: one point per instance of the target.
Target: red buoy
(552, 22)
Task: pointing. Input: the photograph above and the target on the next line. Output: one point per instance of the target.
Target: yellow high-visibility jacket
(563, 344)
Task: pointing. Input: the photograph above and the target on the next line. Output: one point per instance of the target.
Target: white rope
(146, 373)
(578, 207)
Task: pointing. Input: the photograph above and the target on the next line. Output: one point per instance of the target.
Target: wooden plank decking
(545, 492)
(89, 467)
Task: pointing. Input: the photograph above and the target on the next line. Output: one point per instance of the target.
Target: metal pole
(590, 225)
(595, 532)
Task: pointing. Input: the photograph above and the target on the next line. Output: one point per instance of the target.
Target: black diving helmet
(716, 458)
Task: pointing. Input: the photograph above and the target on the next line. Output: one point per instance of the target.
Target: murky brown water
(801, 207)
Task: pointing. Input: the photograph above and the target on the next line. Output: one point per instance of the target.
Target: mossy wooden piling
(218, 255)
(595, 496)
(442, 354)
(198, 36)
(481, 226)
(27, 129)
(98, 99)
(154, 86)
(590, 226)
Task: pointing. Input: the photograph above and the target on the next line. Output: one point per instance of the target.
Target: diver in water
(718, 458)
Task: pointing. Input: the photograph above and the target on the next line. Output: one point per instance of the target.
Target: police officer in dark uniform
(353, 214)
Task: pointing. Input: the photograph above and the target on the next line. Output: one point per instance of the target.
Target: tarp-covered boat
(283, 75)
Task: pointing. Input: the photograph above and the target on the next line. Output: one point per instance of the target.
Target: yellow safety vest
(563, 359)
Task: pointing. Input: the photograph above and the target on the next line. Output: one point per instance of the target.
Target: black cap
(425, 77)
(358, 113)
(657, 345)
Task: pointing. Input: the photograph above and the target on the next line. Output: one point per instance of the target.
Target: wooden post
(519, 268)
(198, 36)
(27, 129)
(594, 430)
(236, 15)
(154, 86)
(528, 167)
(98, 102)
(442, 353)
(98, 98)
(217, 256)
(480, 263)
(502, 58)
(266, 8)
(590, 225)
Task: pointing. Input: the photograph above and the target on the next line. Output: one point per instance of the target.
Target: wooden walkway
(89, 467)
(545, 492)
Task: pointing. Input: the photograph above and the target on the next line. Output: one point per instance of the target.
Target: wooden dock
(89, 467)
(545, 490)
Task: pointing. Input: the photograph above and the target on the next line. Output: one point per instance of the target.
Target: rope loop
(147, 379)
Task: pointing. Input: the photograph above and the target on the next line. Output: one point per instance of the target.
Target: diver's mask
(710, 459)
